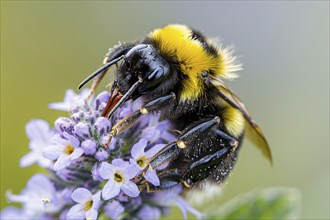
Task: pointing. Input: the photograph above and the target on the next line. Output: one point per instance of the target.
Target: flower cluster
(87, 180)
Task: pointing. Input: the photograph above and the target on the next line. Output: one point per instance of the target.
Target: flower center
(141, 162)
(88, 205)
(69, 149)
(45, 202)
(118, 177)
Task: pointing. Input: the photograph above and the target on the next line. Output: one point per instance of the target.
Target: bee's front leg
(150, 107)
(168, 178)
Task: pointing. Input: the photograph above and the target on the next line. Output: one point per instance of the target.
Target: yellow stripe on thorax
(192, 57)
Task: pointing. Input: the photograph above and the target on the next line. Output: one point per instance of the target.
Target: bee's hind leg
(184, 142)
(203, 164)
(208, 165)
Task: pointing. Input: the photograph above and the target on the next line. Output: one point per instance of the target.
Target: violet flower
(39, 133)
(87, 206)
(114, 209)
(140, 158)
(65, 151)
(87, 180)
(119, 175)
(40, 196)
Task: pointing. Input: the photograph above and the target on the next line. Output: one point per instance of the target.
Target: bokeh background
(48, 47)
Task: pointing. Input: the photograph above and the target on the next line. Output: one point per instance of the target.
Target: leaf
(272, 203)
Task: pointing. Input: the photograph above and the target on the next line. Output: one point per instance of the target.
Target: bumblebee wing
(253, 131)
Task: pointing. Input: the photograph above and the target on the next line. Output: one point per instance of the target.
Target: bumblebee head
(143, 63)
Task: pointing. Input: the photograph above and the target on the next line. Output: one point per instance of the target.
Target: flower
(119, 175)
(113, 209)
(39, 196)
(71, 101)
(173, 197)
(149, 212)
(39, 134)
(140, 158)
(87, 206)
(10, 213)
(158, 130)
(65, 150)
(82, 171)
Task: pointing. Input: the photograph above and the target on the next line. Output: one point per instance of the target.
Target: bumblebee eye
(205, 74)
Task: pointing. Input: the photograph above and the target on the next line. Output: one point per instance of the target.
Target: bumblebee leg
(189, 137)
(171, 151)
(205, 166)
(168, 179)
(149, 107)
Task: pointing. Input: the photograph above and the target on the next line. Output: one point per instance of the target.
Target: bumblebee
(180, 74)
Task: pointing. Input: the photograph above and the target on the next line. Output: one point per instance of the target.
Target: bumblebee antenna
(125, 97)
(100, 70)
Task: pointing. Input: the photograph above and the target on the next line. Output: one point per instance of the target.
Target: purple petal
(28, 159)
(133, 170)
(101, 154)
(185, 206)
(76, 212)
(89, 147)
(103, 97)
(72, 139)
(130, 189)
(76, 153)
(138, 148)
(149, 133)
(44, 162)
(106, 170)
(59, 140)
(91, 214)
(10, 213)
(96, 200)
(40, 183)
(38, 130)
(105, 141)
(124, 111)
(81, 195)
(71, 100)
(110, 190)
(167, 136)
(59, 106)
(62, 162)
(114, 209)
(53, 152)
(152, 177)
(96, 174)
(101, 125)
(154, 120)
(82, 129)
(118, 162)
(148, 212)
(63, 124)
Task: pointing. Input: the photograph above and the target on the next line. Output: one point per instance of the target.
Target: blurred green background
(48, 47)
